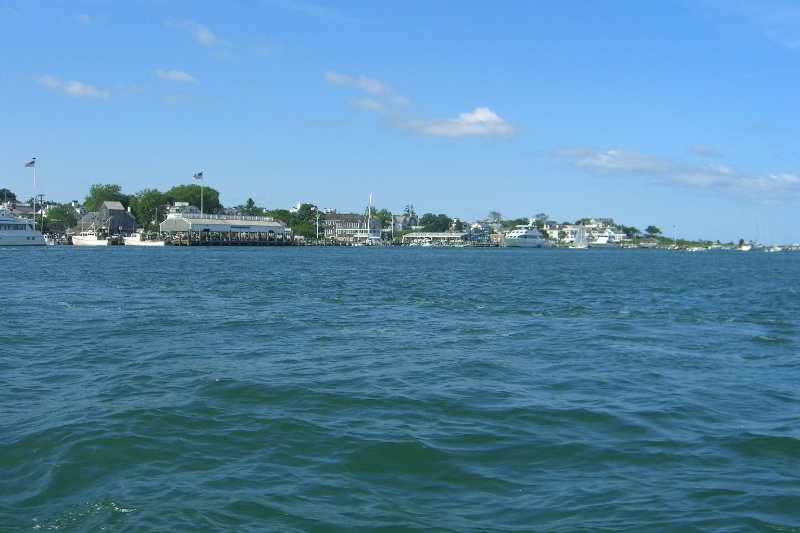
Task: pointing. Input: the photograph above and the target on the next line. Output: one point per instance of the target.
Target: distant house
(112, 217)
(351, 228)
(404, 222)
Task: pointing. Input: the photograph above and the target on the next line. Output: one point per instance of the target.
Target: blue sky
(683, 115)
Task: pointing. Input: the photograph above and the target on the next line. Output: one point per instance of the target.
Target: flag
(31, 164)
(197, 176)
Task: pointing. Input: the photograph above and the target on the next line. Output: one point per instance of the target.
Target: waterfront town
(191, 215)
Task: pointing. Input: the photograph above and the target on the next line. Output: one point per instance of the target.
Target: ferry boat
(525, 236)
(17, 231)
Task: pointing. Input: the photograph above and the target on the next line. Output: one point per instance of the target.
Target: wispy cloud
(765, 188)
(614, 161)
(368, 85)
(175, 75)
(72, 88)
(385, 101)
(778, 20)
(317, 11)
(481, 122)
(203, 34)
(705, 151)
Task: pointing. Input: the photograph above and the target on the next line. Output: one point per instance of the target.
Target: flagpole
(199, 176)
(32, 164)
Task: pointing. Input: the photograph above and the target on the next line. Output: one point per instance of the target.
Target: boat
(142, 239)
(525, 236)
(581, 240)
(17, 231)
(91, 237)
(605, 239)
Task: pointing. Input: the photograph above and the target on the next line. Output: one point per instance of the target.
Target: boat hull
(526, 243)
(81, 240)
(27, 239)
(134, 241)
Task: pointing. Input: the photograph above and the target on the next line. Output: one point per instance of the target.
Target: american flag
(197, 176)
(31, 164)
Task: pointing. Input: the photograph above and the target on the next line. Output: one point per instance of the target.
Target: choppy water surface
(432, 389)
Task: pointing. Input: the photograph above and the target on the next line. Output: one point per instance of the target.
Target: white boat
(581, 240)
(603, 239)
(525, 236)
(90, 237)
(17, 231)
(142, 239)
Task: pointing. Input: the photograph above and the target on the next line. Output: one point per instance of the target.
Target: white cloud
(370, 86)
(621, 161)
(773, 188)
(705, 151)
(481, 122)
(203, 34)
(72, 88)
(175, 75)
(370, 105)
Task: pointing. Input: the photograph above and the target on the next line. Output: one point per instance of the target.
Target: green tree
(541, 220)
(652, 231)
(59, 218)
(250, 209)
(495, 217)
(383, 217)
(148, 206)
(434, 223)
(631, 231)
(7, 196)
(191, 193)
(99, 193)
(278, 214)
(515, 222)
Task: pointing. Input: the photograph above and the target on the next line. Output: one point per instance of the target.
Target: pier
(186, 226)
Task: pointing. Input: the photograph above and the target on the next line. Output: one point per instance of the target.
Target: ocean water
(317, 389)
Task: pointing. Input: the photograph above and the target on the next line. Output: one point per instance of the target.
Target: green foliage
(251, 209)
(302, 222)
(434, 223)
(278, 214)
(515, 222)
(652, 231)
(191, 193)
(383, 217)
(99, 193)
(630, 231)
(148, 206)
(59, 218)
(7, 196)
(495, 217)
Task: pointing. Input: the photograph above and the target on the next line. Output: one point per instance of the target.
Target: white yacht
(525, 236)
(16, 231)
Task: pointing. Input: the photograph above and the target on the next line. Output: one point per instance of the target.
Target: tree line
(149, 207)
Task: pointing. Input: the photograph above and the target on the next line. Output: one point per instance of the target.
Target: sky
(679, 114)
